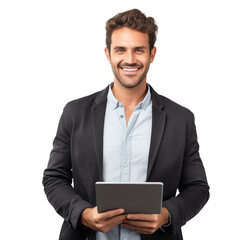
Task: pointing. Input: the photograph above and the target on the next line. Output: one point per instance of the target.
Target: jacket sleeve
(57, 178)
(193, 186)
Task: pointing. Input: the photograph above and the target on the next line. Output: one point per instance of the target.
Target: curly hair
(133, 19)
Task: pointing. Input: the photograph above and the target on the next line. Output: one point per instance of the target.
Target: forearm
(193, 185)
(57, 177)
(62, 196)
(186, 205)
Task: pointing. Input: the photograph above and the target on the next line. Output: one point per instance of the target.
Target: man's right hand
(102, 222)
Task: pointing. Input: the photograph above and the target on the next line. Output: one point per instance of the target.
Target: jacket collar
(157, 100)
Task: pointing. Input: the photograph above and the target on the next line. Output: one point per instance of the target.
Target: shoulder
(79, 103)
(176, 108)
(171, 108)
(85, 103)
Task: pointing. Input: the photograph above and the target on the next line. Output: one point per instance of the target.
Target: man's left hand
(146, 223)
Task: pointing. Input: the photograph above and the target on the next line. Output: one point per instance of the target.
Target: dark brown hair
(133, 19)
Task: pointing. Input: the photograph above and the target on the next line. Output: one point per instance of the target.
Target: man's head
(133, 19)
(130, 39)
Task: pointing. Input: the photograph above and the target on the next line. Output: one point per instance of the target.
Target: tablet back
(143, 197)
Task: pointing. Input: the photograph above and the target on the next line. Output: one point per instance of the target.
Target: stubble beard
(124, 84)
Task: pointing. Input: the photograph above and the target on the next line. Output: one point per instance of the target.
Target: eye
(119, 50)
(139, 50)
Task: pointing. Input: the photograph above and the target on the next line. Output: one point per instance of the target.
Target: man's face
(130, 56)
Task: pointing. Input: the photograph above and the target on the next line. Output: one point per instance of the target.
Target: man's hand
(146, 223)
(102, 222)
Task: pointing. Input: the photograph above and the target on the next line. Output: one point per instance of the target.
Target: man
(126, 132)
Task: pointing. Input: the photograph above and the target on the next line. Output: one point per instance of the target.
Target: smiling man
(126, 133)
(130, 57)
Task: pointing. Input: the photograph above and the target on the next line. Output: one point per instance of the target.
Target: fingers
(106, 225)
(140, 227)
(111, 213)
(143, 217)
(146, 223)
(116, 220)
(102, 222)
(142, 223)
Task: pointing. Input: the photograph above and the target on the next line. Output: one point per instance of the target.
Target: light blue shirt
(125, 151)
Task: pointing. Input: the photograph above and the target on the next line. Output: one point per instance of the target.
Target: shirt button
(121, 116)
(125, 165)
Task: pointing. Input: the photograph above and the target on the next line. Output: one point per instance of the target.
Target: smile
(129, 69)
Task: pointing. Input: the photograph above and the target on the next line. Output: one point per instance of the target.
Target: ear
(153, 53)
(107, 55)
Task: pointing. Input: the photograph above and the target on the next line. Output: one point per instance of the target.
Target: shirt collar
(115, 103)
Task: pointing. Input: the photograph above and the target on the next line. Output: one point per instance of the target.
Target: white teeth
(130, 69)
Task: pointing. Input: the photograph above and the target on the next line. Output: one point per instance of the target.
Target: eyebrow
(136, 48)
(118, 47)
(140, 48)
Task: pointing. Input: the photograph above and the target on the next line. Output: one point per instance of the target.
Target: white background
(53, 51)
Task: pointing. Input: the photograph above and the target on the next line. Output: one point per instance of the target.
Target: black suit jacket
(76, 163)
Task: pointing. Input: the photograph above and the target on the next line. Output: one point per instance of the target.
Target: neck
(129, 97)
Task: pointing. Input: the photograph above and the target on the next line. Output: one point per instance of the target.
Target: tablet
(145, 197)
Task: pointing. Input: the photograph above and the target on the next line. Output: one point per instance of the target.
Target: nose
(129, 58)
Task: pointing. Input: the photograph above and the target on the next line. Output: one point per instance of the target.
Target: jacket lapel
(158, 125)
(98, 117)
